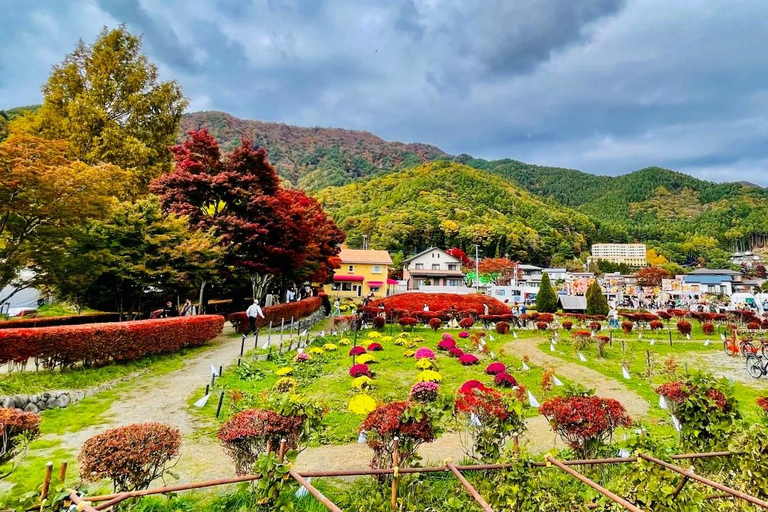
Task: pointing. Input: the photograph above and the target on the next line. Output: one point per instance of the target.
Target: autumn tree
(499, 270)
(136, 255)
(546, 299)
(597, 304)
(107, 102)
(459, 255)
(651, 276)
(44, 197)
(266, 231)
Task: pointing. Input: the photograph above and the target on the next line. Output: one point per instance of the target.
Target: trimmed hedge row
(276, 313)
(50, 321)
(99, 344)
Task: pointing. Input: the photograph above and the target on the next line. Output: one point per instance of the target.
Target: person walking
(188, 309)
(253, 312)
(485, 309)
(336, 308)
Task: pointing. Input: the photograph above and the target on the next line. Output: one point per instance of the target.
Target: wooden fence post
(395, 466)
(46, 481)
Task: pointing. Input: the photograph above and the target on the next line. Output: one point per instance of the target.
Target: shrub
(361, 404)
(424, 352)
(446, 336)
(285, 385)
(392, 420)
(656, 325)
(407, 322)
(414, 301)
(468, 359)
(429, 376)
(446, 345)
(495, 368)
(753, 326)
(466, 323)
(285, 370)
(379, 322)
(585, 423)
(502, 328)
(505, 380)
(542, 326)
(130, 456)
(375, 347)
(627, 327)
(357, 350)
(52, 321)
(595, 326)
(456, 352)
(365, 359)
(99, 344)
(362, 382)
(708, 328)
(359, 370)
(277, 313)
(684, 327)
(424, 364)
(463, 335)
(435, 323)
(705, 408)
(424, 392)
(409, 353)
(489, 417)
(567, 325)
(301, 358)
(19, 428)
(762, 403)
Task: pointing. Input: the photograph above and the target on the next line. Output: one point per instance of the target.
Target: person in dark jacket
(169, 310)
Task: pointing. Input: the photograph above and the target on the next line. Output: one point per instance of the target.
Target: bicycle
(757, 366)
(745, 347)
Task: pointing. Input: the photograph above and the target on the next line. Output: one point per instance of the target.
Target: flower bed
(99, 344)
(277, 313)
(442, 302)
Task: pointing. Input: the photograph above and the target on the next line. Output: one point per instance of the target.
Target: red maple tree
(267, 230)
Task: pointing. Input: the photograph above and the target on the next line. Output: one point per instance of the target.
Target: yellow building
(362, 272)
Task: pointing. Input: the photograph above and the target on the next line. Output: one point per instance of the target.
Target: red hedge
(627, 327)
(567, 325)
(656, 325)
(466, 323)
(435, 323)
(542, 325)
(379, 322)
(414, 301)
(708, 328)
(50, 321)
(277, 313)
(102, 343)
(502, 328)
(684, 327)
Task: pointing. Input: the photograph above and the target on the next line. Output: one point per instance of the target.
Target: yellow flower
(429, 376)
(315, 350)
(286, 370)
(411, 344)
(399, 342)
(404, 335)
(386, 339)
(362, 382)
(424, 364)
(285, 384)
(330, 347)
(365, 359)
(361, 404)
(374, 335)
(344, 342)
(409, 353)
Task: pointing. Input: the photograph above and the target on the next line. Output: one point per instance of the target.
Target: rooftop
(370, 256)
(714, 271)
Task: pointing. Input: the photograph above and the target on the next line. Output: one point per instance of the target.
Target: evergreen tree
(596, 301)
(546, 299)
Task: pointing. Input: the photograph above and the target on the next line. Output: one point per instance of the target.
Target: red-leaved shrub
(455, 352)
(17, 429)
(502, 328)
(505, 380)
(542, 325)
(379, 322)
(656, 325)
(567, 325)
(489, 417)
(627, 327)
(130, 456)
(375, 347)
(389, 421)
(684, 327)
(358, 370)
(466, 323)
(753, 326)
(51, 321)
(435, 323)
(495, 368)
(277, 313)
(585, 423)
(357, 350)
(98, 344)
(762, 403)
(708, 328)
(595, 326)
(468, 359)
(407, 321)
(246, 434)
(414, 301)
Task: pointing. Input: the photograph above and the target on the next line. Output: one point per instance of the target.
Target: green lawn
(327, 379)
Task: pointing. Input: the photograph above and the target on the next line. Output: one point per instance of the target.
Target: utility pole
(477, 267)
(365, 241)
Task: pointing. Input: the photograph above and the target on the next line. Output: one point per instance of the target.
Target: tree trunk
(200, 306)
(259, 284)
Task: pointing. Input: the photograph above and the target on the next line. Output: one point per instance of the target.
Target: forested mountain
(446, 203)
(313, 158)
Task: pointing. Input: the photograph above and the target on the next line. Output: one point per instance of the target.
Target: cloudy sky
(605, 86)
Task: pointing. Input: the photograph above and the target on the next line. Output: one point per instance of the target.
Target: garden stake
(282, 325)
(281, 453)
(269, 446)
(623, 349)
(290, 329)
(221, 371)
(354, 355)
(46, 482)
(207, 389)
(63, 472)
(256, 339)
(242, 346)
(395, 464)
(269, 335)
(221, 401)
(238, 361)
(670, 337)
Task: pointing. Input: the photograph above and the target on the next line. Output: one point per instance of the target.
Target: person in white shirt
(253, 311)
(426, 307)
(336, 308)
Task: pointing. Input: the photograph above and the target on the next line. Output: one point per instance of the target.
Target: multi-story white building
(434, 270)
(631, 254)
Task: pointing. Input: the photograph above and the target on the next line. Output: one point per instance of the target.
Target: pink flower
(424, 352)
(446, 344)
(468, 359)
(463, 334)
(495, 369)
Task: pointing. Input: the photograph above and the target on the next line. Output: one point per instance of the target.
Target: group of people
(169, 310)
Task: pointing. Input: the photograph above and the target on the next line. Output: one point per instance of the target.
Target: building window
(376, 269)
(453, 266)
(419, 266)
(435, 266)
(374, 289)
(452, 282)
(351, 268)
(501, 292)
(346, 287)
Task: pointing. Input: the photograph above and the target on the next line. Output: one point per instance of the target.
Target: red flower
(505, 380)
(356, 351)
(495, 368)
(567, 325)
(446, 345)
(468, 359)
(359, 370)
(456, 352)
(375, 347)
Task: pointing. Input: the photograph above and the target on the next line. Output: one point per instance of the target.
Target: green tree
(546, 299)
(106, 101)
(596, 301)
